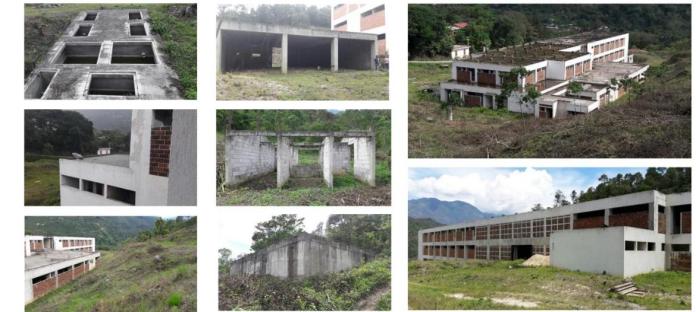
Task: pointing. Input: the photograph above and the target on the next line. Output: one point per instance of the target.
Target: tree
(368, 232)
(160, 227)
(574, 197)
(280, 227)
(559, 199)
(628, 84)
(224, 259)
(537, 207)
(453, 98)
(574, 88)
(665, 180)
(511, 82)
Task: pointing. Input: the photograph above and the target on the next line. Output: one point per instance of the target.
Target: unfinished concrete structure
(160, 169)
(362, 17)
(245, 46)
(598, 61)
(251, 154)
(635, 233)
(301, 256)
(53, 261)
(104, 54)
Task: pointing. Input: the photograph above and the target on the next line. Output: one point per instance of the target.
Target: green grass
(41, 182)
(304, 85)
(158, 274)
(178, 35)
(334, 291)
(481, 285)
(384, 303)
(308, 157)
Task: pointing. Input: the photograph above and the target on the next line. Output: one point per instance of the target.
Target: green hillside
(155, 274)
(415, 225)
(108, 231)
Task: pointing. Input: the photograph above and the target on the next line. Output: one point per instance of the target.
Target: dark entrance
(522, 251)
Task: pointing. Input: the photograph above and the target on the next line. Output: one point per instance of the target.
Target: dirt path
(370, 302)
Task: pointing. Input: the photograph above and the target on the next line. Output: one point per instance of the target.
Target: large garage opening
(355, 54)
(242, 50)
(522, 251)
(309, 52)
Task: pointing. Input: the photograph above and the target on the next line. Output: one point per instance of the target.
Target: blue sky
(504, 190)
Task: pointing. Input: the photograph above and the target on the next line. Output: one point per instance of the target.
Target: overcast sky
(235, 227)
(504, 190)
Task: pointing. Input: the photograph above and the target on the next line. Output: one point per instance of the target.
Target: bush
(174, 300)
(384, 303)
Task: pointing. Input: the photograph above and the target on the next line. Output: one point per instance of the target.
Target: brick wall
(381, 47)
(470, 253)
(42, 287)
(65, 277)
(340, 11)
(681, 261)
(160, 142)
(541, 74)
(589, 222)
(372, 21)
(486, 78)
(464, 74)
(685, 221)
(469, 234)
(472, 100)
(661, 223)
(637, 219)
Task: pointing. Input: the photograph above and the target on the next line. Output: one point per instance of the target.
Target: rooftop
(119, 160)
(581, 38)
(51, 257)
(602, 73)
(528, 54)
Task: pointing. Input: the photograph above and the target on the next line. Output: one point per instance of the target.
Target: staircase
(628, 289)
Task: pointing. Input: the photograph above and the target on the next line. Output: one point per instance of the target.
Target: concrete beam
(341, 134)
(294, 31)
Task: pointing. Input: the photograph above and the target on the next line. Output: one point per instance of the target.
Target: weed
(174, 300)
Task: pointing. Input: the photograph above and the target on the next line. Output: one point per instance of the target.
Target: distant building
(104, 151)
(160, 169)
(621, 235)
(460, 52)
(598, 61)
(459, 26)
(364, 18)
(53, 261)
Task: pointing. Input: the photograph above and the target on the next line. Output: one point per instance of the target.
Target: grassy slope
(335, 291)
(430, 282)
(43, 26)
(415, 225)
(132, 278)
(41, 182)
(304, 85)
(655, 124)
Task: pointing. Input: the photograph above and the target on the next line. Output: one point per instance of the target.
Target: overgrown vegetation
(504, 285)
(156, 274)
(415, 225)
(41, 181)
(296, 15)
(43, 26)
(665, 180)
(303, 84)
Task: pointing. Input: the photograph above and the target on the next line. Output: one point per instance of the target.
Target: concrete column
(495, 104)
(607, 213)
(476, 74)
(497, 78)
(364, 160)
(669, 225)
(653, 216)
(284, 47)
(334, 54)
(420, 245)
(327, 162)
(218, 47)
(373, 54)
(283, 158)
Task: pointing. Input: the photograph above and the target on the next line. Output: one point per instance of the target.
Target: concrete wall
(364, 159)
(150, 189)
(301, 256)
(327, 154)
(108, 175)
(284, 158)
(341, 158)
(183, 160)
(247, 157)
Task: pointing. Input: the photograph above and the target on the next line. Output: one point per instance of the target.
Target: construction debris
(537, 260)
(628, 289)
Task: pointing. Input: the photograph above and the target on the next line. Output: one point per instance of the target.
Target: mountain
(415, 225)
(156, 272)
(108, 231)
(109, 119)
(445, 212)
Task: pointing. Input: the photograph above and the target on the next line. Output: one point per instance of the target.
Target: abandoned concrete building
(598, 61)
(364, 17)
(635, 233)
(252, 154)
(53, 261)
(244, 46)
(104, 54)
(301, 256)
(159, 170)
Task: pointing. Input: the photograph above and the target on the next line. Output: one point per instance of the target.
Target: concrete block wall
(327, 155)
(364, 160)
(283, 160)
(341, 158)
(160, 143)
(247, 157)
(301, 256)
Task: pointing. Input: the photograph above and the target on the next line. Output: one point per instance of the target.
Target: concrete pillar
(476, 75)
(607, 213)
(327, 162)
(284, 48)
(334, 54)
(218, 47)
(653, 216)
(283, 158)
(669, 220)
(420, 245)
(495, 104)
(373, 54)
(364, 159)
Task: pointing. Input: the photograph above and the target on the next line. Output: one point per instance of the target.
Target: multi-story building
(159, 170)
(634, 233)
(364, 18)
(598, 61)
(104, 54)
(53, 261)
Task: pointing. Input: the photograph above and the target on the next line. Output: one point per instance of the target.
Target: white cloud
(500, 191)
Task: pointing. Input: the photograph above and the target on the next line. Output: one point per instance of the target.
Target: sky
(235, 231)
(504, 190)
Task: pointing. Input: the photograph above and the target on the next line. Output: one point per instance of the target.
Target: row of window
(608, 46)
(542, 227)
(373, 11)
(641, 246)
(75, 242)
(112, 192)
(494, 252)
(610, 57)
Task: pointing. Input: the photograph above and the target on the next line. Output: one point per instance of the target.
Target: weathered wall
(283, 160)
(305, 171)
(327, 160)
(301, 256)
(364, 160)
(183, 160)
(341, 158)
(247, 157)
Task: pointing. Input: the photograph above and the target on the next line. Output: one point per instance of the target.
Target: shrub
(174, 300)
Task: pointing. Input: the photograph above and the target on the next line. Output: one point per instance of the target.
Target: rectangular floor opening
(83, 30)
(133, 53)
(137, 30)
(90, 16)
(37, 87)
(74, 53)
(112, 84)
(134, 16)
(120, 194)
